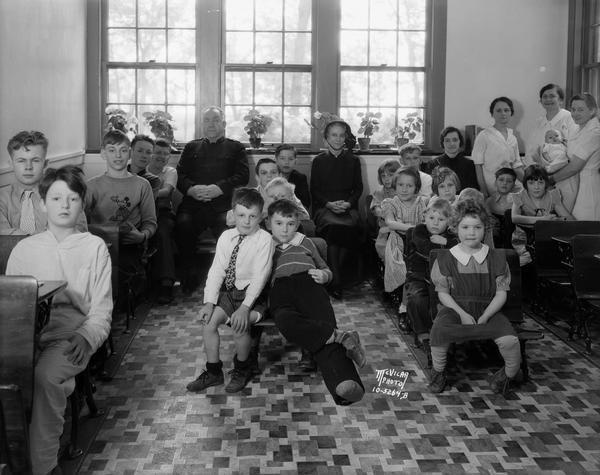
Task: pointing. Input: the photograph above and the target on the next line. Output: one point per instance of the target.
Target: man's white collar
(462, 257)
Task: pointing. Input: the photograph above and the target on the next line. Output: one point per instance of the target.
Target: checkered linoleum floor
(285, 421)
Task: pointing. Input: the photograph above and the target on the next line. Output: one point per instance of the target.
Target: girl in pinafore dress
(472, 282)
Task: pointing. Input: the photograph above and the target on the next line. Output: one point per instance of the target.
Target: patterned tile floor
(285, 422)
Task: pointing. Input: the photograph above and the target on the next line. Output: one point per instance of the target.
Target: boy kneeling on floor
(302, 310)
(241, 265)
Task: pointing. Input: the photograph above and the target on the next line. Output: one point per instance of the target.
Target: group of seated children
(245, 257)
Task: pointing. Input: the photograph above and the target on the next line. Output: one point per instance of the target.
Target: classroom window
(285, 58)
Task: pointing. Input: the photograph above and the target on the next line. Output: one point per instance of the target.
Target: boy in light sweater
(302, 310)
(81, 314)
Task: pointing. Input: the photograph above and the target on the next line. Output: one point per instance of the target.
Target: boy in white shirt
(242, 265)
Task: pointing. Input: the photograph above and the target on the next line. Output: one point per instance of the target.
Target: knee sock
(510, 349)
(240, 364)
(214, 368)
(438, 356)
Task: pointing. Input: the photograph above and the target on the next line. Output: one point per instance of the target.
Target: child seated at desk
(241, 265)
(302, 310)
(81, 314)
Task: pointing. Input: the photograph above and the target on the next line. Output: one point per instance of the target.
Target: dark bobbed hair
(262, 161)
(285, 146)
(439, 176)
(505, 171)
(247, 197)
(26, 139)
(409, 171)
(449, 130)
(350, 138)
(142, 138)
(471, 208)
(70, 174)
(115, 137)
(536, 172)
(590, 101)
(286, 208)
(390, 166)
(502, 99)
(559, 90)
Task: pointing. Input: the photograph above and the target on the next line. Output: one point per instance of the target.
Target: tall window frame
(583, 64)
(210, 66)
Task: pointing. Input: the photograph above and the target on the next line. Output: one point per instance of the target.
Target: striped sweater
(297, 256)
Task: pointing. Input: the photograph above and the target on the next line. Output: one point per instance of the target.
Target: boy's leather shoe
(354, 350)
(307, 362)
(438, 381)
(205, 380)
(239, 379)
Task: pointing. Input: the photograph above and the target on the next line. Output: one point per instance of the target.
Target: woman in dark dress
(454, 158)
(336, 186)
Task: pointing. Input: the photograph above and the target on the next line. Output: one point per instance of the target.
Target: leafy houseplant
(321, 119)
(118, 119)
(160, 123)
(369, 124)
(412, 125)
(257, 125)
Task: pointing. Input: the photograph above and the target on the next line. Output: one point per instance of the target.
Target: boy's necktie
(230, 272)
(27, 221)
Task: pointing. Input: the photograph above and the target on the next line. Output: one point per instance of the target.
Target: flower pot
(400, 141)
(255, 142)
(363, 143)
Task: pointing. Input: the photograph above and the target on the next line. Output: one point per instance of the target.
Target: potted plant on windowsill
(257, 125)
(118, 119)
(369, 124)
(160, 123)
(412, 124)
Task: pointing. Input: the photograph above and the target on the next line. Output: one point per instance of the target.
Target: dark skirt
(339, 229)
(447, 328)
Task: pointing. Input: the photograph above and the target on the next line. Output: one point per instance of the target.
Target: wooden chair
(18, 301)
(512, 308)
(7, 243)
(586, 285)
(551, 275)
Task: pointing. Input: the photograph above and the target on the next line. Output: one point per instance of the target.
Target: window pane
(354, 13)
(269, 15)
(238, 87)
(354, 87)
(411, 89)
(412, 14)
(295, 129)
(268, 88)
(239, 48)
(181, 13)
(386, 123)
(184, 121)
(268, 48)
(274, 132)
(152, 45)
(298, 15)
(402, 113)
(411, 48)
(297, 48)
(121, 85)
(353, 48)
(121, 13)
(383, 48)
(182, 46)
(121, 45)
(384, 14)
(595, 40)
(151, 86)
(297, 88)
(382, 88)
(239, 15)
(349, 115)
(181, 86)
(235, 125)
(151, 13)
